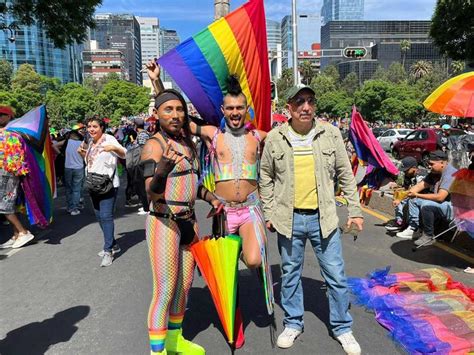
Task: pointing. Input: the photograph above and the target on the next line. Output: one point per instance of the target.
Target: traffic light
(273, 90)
(355, 52)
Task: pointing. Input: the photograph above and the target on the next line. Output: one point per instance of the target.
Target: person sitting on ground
(431, 206)
(412, 176)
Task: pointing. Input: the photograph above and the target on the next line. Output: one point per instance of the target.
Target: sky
(190, 16)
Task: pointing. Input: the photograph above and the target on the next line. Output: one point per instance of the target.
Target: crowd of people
(283, 181)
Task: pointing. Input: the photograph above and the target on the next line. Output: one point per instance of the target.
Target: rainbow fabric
(39, 185)
(462, 199)
(425, 311)
(368, 149)
(234, 44)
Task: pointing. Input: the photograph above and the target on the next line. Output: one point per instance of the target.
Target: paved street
(55, 298)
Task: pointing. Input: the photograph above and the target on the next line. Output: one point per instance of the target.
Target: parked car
(388, 138)
(377, 131)
(420, 143)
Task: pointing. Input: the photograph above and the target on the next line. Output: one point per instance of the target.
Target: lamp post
(221, 8)
(295, 42)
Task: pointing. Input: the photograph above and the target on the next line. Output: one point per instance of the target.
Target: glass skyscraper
(273, 34)
(33, 46)
(168, 40)
(342, 10)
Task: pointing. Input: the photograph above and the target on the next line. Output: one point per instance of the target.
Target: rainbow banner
(39, 184)
(425, 311)
(462, 199)
(234, 44)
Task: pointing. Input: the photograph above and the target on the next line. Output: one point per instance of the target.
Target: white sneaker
(23, 238)
(8, 244)
(75, 212)
(406, 234)
(349, 344)
(115, 250)
(141, 212)
(106, 259)
(287, 338)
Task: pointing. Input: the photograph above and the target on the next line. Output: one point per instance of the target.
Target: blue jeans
(104, 206)
(73, 179)
(399, 211)
(329, 254)
(416, 206)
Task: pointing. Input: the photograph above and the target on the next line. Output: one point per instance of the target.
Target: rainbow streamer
(234, 44)
(39, 185)
(462, 199)
(425, 311)
(368, 149)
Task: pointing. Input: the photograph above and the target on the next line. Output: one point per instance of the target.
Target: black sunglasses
(299, 101)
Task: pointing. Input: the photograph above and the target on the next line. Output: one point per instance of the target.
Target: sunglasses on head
(300, 100)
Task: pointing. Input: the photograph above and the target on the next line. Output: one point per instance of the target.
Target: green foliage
(323, 84)
(452, 28)
(350, 83)
(405, 45)
(331, 71)
(457, 67)
(307, 72)
(420, 69)
(284, 83)
(370, 96)
(335, 103)
(397, 109)
(6, 73)
(121, 98)
(26, 78)
(26, 100)
(65, 22)
(396, 73)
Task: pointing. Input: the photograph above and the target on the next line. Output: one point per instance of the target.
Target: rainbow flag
(39, 185)
(368, 149)
(462, 199)
(425, 311)
(234, 44)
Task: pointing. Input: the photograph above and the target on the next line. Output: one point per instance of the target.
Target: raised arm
(153, 71)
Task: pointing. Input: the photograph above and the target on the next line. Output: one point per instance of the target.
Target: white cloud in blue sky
(188, 16)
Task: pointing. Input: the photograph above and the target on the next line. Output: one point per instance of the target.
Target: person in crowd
(101, 154)
(300, 162)
(170, 168)
(412, 175)
(139, 181)
(430, 206)
(12, 167)
(73, 169)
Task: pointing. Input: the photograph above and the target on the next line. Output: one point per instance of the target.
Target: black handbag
(99, 184)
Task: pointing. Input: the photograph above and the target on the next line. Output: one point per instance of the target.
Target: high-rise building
(287, 42)
(31, 45)
(342, 10)
(121, 32)
(150, 38)
(273, 34)
(101, 62)
(382, 40)
(168, 40)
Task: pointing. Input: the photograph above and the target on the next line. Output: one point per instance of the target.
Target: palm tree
(420, 68)
(457, 66)
(404, 47)
(307, 72)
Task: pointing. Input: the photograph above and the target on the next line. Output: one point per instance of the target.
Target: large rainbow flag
(234, 44)
(39, 184)
(425, 311)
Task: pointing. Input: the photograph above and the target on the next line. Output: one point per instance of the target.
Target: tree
(331, 71)
(26, 100)
(430, 82)
(8, 99)
(26, 78)
(420, 69)
(457, 67)
(6, 73)
(452, 29)
(65, 22)
(284, 83)
(397, 109)
(307, 72)
(396, 73)
(370, 96)
(405, 45)
(323, 84)
(350, 83)
(335, 103)
(77, 102)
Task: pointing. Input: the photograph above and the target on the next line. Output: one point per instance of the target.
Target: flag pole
(295, 43)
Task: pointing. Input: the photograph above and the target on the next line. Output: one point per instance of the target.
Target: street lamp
(295, 42)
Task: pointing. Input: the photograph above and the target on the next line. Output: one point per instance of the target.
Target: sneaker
(287, 338)
(115, 250)
(75, 212)
(425, 240)
(131, 204)
(406, 234)
(142, 212)
(349, 344)
(107, 259)
(393, 226)
(23, 238)
(8, 244)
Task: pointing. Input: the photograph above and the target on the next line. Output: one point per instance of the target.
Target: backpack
(132, 158)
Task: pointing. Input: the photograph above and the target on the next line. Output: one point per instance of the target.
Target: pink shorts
(236, 217)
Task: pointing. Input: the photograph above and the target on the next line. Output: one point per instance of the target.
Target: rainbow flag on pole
(234, 44)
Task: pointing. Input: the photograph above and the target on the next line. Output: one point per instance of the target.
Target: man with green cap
(300, 162)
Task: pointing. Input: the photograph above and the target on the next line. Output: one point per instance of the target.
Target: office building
(287, 42)
(31, 45)
(120, 32)
(342, 10)
(150, 38)
(273, 34)
(382, 39)
(168, 40)
(101, 62)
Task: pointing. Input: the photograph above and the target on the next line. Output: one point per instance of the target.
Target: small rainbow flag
(234, 44)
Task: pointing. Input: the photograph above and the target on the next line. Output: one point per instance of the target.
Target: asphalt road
(55, 298)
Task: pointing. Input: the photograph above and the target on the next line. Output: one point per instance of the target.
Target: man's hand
(270, 227)
(153, 70)
(412, 194)
(357, 221)
(395, 203)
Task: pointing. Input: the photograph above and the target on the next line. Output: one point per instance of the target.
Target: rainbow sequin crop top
(225, 171)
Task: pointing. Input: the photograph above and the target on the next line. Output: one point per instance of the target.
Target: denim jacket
(276, 185)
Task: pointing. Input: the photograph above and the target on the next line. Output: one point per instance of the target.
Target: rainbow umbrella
(217, 259)
(462, 198)
(455, 97)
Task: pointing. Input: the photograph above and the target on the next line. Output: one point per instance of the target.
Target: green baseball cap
(293, 91)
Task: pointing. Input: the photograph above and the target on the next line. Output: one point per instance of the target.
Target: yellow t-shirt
(306, 193)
